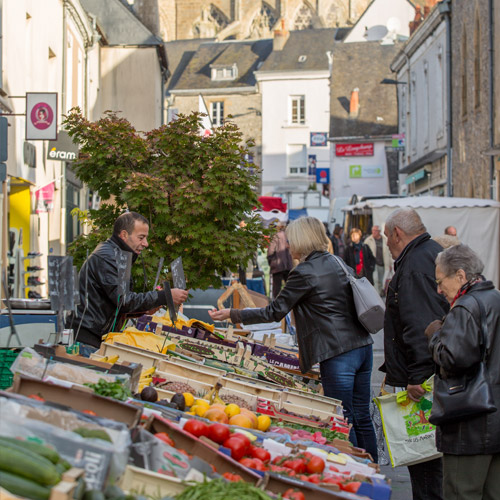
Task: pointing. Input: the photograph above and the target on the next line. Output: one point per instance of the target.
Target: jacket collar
(413, 243)
(123, 246)
(315, 254)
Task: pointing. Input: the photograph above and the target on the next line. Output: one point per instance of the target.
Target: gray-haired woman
(471, 447)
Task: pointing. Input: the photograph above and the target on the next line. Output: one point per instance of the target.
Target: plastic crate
(7, 357)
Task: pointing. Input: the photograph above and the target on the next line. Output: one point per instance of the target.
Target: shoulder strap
(483, 330)
(350, 277)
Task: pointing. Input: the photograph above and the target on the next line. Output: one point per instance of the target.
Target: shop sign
(365, 171)
(311, 165)
(319, 139)
(398, 142)
(323, 175)
(45, 198)
(41, 116)
(63, 149)
(362, 149)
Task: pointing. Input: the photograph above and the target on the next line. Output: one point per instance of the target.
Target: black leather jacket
(412, 303)
(321, 298)
(455, 348)
(100, 273)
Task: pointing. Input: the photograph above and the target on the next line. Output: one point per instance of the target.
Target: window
(298, 109)
(217, 113)
(224, 72)
(297, 160)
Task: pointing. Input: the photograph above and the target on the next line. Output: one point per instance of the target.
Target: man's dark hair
(127, 221)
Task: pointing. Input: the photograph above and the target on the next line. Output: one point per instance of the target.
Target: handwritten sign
(61, 282)
(124, 267)
(178, 277)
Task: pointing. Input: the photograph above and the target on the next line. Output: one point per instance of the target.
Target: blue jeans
(348, 377)
(86, 350)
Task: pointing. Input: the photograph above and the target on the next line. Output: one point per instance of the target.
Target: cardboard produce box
(79, 399)
(251, 387)
(131, 354)
(195, 372)
(196, 447)
(145, 482)
(314, 401)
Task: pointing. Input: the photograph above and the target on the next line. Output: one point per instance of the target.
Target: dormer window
(225, 72)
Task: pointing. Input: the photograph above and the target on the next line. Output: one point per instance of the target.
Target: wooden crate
(255, 389)
(200, 387)
(128, 353)
(316, 402)
(250, 399)
(190, 370)
(307, 412)
(145, 482)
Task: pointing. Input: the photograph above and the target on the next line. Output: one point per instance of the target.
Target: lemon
(231, 410)
(199, 410)
(189, 398)
(202, 402)
(263, 422)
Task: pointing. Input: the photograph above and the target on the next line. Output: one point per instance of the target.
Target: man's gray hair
(407, 219)
(460, 257)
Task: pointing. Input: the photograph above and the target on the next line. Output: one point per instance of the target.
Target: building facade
(421, 69)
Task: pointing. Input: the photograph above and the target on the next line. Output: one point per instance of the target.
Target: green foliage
(197, 192)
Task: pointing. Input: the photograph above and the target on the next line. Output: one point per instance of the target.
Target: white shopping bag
(409, 435)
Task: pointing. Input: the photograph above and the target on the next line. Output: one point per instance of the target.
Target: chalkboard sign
(178, 277)
(61, 283)
(124, 267)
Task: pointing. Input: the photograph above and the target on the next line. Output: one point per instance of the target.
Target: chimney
(354, 104)
(280, 37)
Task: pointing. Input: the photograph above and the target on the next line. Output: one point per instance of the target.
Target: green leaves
(194, 190)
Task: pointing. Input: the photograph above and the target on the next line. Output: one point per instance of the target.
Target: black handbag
(465, 396)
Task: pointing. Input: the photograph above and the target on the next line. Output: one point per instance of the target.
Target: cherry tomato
(260, 453)
(351, 487)
(292, 494)
(232, 477)
(196, 428)
(237, 447)
(315, 465)
(244, 439)
(218, 433)
(296, 464)
(163, 436)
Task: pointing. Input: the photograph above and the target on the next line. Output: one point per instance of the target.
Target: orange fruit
(241, 420)
(216, 415)
(219, 406)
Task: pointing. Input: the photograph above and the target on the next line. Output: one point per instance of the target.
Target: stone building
(242, 19)
(472, 170)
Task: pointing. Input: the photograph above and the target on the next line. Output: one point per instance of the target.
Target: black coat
(368, 261)
(412, 303)
(455, 348)
(321, 298)
(99, 275)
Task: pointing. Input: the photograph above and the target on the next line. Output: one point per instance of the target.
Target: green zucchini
(94, 495)
(28, 465)
(37, 448)
(23, 487)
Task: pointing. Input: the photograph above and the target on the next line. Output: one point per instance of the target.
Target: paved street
(401, 487)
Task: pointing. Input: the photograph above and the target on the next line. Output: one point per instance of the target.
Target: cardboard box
(196, 447)
(199, 387)
(131, 354)
(148, 483)
(78, 399)
(196, 372)
(307, 400)
(255, 388)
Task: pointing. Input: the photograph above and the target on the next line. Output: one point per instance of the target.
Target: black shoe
(34, 268)
(35, 281)
(34, 295)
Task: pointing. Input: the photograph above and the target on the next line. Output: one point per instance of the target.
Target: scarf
(465, 288)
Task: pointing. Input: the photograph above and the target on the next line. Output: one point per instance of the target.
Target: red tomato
(331, 468)
(163, 436)
(315, 465)
(331, 480)
(247, 462)
(243, 438)
(296, 464)
(315, 478)
(237, 447)
(352, 487)
(90, 412)
(294, 494)
(218, 433)
(259, 464)
(278, 468)
(36, 397)
(232, 477)
(196, 428)
(260, 453)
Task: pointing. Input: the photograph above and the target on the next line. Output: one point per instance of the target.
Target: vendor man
(98, 281)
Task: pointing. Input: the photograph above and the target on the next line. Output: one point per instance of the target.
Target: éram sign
(64, 149)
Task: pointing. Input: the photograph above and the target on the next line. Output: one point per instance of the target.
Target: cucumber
(23, 463)
(37, 448)
(20, 449)
(23, 487)
(65, 464)
(94, 495)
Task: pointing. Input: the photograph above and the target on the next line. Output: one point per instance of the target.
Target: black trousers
(427, 480)
(278, 279)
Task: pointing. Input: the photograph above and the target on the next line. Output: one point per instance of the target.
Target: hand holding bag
(467, 395)
(370, 307)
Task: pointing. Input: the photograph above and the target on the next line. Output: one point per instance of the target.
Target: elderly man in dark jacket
(100, 301)
(471, 446)
(412, 303)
